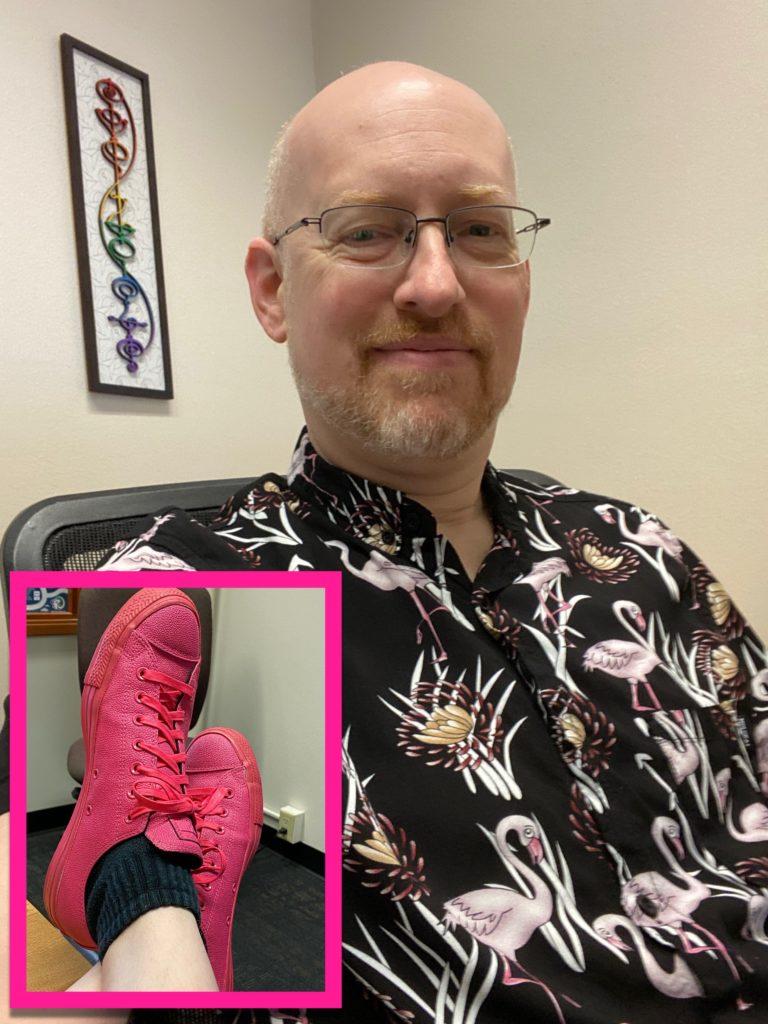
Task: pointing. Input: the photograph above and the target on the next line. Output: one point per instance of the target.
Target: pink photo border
(330, 996)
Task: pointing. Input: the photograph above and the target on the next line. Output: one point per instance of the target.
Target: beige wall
(640, 129)
(269, 686)
(223, 78)
(53, 719)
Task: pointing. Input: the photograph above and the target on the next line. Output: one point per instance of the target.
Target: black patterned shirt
(556, 773)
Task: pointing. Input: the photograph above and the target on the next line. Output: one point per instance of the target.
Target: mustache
(406, 329)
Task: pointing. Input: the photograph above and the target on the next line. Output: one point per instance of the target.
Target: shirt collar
(379, 515)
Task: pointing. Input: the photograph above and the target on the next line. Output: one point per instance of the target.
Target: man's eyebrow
(484, 192)
(470, 193)
(356, 196)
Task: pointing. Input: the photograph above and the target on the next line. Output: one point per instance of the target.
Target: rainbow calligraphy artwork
(116, 231)
(117, 225)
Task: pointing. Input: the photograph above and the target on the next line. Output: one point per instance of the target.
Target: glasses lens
(375, 236)
(492, 236)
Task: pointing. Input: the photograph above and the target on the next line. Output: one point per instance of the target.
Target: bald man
(555, 756)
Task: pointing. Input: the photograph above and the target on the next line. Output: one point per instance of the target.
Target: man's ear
(262, 268)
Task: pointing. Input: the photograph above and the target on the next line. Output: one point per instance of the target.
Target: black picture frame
(152, 378)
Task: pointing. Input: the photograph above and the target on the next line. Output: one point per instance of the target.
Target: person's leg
(19, 1017)
(90, 981)
(160, 951)
(131, 842)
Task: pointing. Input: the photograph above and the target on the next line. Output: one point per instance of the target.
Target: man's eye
(480, 230)
(362, 235)
(368, 234)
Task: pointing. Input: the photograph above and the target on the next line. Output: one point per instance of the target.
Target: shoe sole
(255, 819)
(110, 647)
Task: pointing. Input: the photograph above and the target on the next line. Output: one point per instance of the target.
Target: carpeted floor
(279, 936)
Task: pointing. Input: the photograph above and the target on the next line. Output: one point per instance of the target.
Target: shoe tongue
(174, 833)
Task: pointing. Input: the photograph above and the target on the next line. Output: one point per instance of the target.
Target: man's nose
(430, 284)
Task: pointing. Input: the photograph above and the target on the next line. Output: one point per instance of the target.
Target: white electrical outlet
(290, 824)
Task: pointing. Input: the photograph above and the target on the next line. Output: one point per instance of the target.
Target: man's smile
(427, 351)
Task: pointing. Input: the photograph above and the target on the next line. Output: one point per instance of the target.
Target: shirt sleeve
(172, 540)
(729, 652)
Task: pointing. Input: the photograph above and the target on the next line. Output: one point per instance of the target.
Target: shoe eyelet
(229, 918)
(228, 795)
(89, 808)
(132, 793)
(140, 674)
(128, 817)
(137, 745)
(225, 814)
(207, 886)
(95, 773)
(139, 695)
(137, 720)
(134, 766)
(219, 829)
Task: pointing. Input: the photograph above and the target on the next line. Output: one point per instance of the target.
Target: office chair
(74, 531)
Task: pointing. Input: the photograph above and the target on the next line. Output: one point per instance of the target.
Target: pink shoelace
(162, 789)
(208, 803)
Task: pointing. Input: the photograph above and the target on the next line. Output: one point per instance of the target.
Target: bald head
(369, 103)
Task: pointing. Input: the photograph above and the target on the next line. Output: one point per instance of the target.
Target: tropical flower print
(271, 494)
(710, 594)
(598, 561)
(585, 825)
(718, 660)
(385, 855)
(496, 619)
(582, 733)
(449, 725)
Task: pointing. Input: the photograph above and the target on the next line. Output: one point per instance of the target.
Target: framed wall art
(51, 611)
(117, 227)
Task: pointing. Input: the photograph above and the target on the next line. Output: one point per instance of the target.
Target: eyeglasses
(379, 237)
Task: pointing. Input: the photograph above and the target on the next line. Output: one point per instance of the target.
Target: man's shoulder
(180, 539)
(518, 488)
(267, 492)
(579, 517)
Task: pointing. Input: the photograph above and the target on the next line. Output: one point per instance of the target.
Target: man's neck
(449, 488)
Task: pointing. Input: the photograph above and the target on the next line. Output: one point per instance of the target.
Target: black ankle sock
(132, 878)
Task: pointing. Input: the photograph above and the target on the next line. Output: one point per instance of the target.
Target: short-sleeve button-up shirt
(556, 773)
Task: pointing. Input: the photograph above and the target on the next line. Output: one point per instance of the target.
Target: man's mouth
(426, 343)
(424, 351)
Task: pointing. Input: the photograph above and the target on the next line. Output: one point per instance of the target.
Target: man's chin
(419, 429)
(423, 419)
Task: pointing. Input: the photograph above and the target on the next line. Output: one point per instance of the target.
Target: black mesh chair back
(74, 531)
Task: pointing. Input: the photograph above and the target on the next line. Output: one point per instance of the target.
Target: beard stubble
(411, 413)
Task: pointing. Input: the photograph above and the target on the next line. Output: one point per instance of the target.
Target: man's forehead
(381, 88)
(378, 131)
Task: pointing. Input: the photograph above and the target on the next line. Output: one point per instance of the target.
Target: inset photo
(175, 790)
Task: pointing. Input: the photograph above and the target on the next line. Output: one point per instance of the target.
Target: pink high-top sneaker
(225, 786)
(135, 710)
